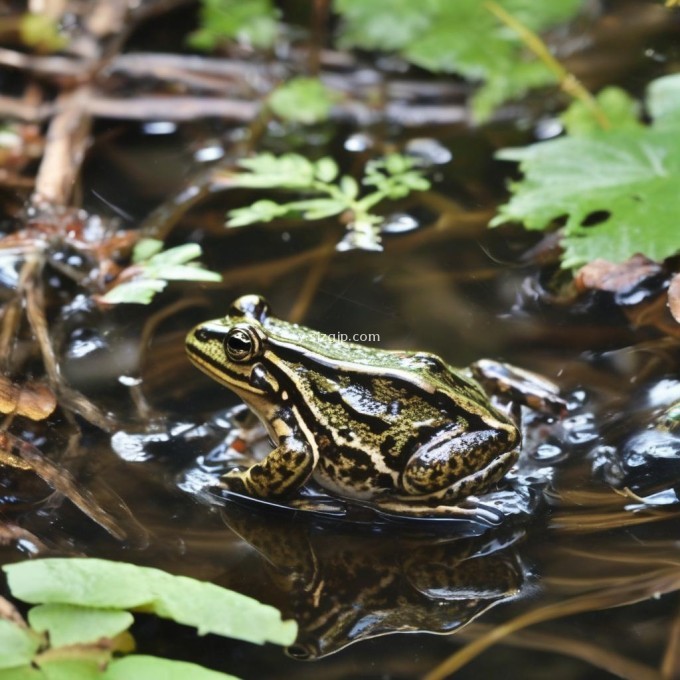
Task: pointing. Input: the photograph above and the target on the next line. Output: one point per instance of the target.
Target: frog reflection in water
(402, 430)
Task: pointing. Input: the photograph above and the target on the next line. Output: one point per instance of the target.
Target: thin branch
(67, 139)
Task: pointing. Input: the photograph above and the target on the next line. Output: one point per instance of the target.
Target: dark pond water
(579, 578)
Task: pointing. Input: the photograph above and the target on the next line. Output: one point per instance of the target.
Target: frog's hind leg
(441, 503)
(455, 465)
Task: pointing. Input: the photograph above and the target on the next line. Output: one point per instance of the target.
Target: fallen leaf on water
(616, 277)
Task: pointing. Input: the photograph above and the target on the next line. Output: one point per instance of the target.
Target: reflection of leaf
(617, 189)
(104, 584)
(69, 624)
(17, 645)
(458, 36)
(302, 100)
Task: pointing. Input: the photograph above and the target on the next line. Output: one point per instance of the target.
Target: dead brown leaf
(616, 277)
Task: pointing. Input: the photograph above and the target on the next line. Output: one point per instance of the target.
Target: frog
(401, 430)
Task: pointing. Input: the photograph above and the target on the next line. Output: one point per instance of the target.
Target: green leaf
(70, 624)
(105, 584)
(249, 21)
(17, 645)
(183, 272)
(460, 36)
(177, 255)
(260, 211)
(155, 668)
(349, 187)
(620, 109)
(41, 32)
(302, 100)
(145, 249)
(318, 208)
(71, 669)
(21, 673)
(264, 171)
(629, 177)
(326, 170)
(139, 292)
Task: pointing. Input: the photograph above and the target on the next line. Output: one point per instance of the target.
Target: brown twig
(67, 140)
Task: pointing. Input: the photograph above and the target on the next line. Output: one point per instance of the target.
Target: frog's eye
(242, 344)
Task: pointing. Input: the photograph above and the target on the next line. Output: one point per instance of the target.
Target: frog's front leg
(284, 470)
(454, 465)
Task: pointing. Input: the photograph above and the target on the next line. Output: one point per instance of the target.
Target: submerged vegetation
(158, 158)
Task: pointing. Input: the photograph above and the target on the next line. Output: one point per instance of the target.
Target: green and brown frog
(402, 430)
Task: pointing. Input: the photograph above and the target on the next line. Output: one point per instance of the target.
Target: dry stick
(59, 480)
(657, 584)
(568, 82)
(173, 108)
(72, 399)
(67, 140)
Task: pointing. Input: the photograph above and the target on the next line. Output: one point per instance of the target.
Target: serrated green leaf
(90, 582)
(139, 292)
(17, 645)
(629, 177)
(458, 37)
(69, 624)
(155, 668)
(145, 249)
(302, 100)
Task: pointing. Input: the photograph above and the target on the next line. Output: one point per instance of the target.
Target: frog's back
(422, 371)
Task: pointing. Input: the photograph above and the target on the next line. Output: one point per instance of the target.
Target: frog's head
(230, 350)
